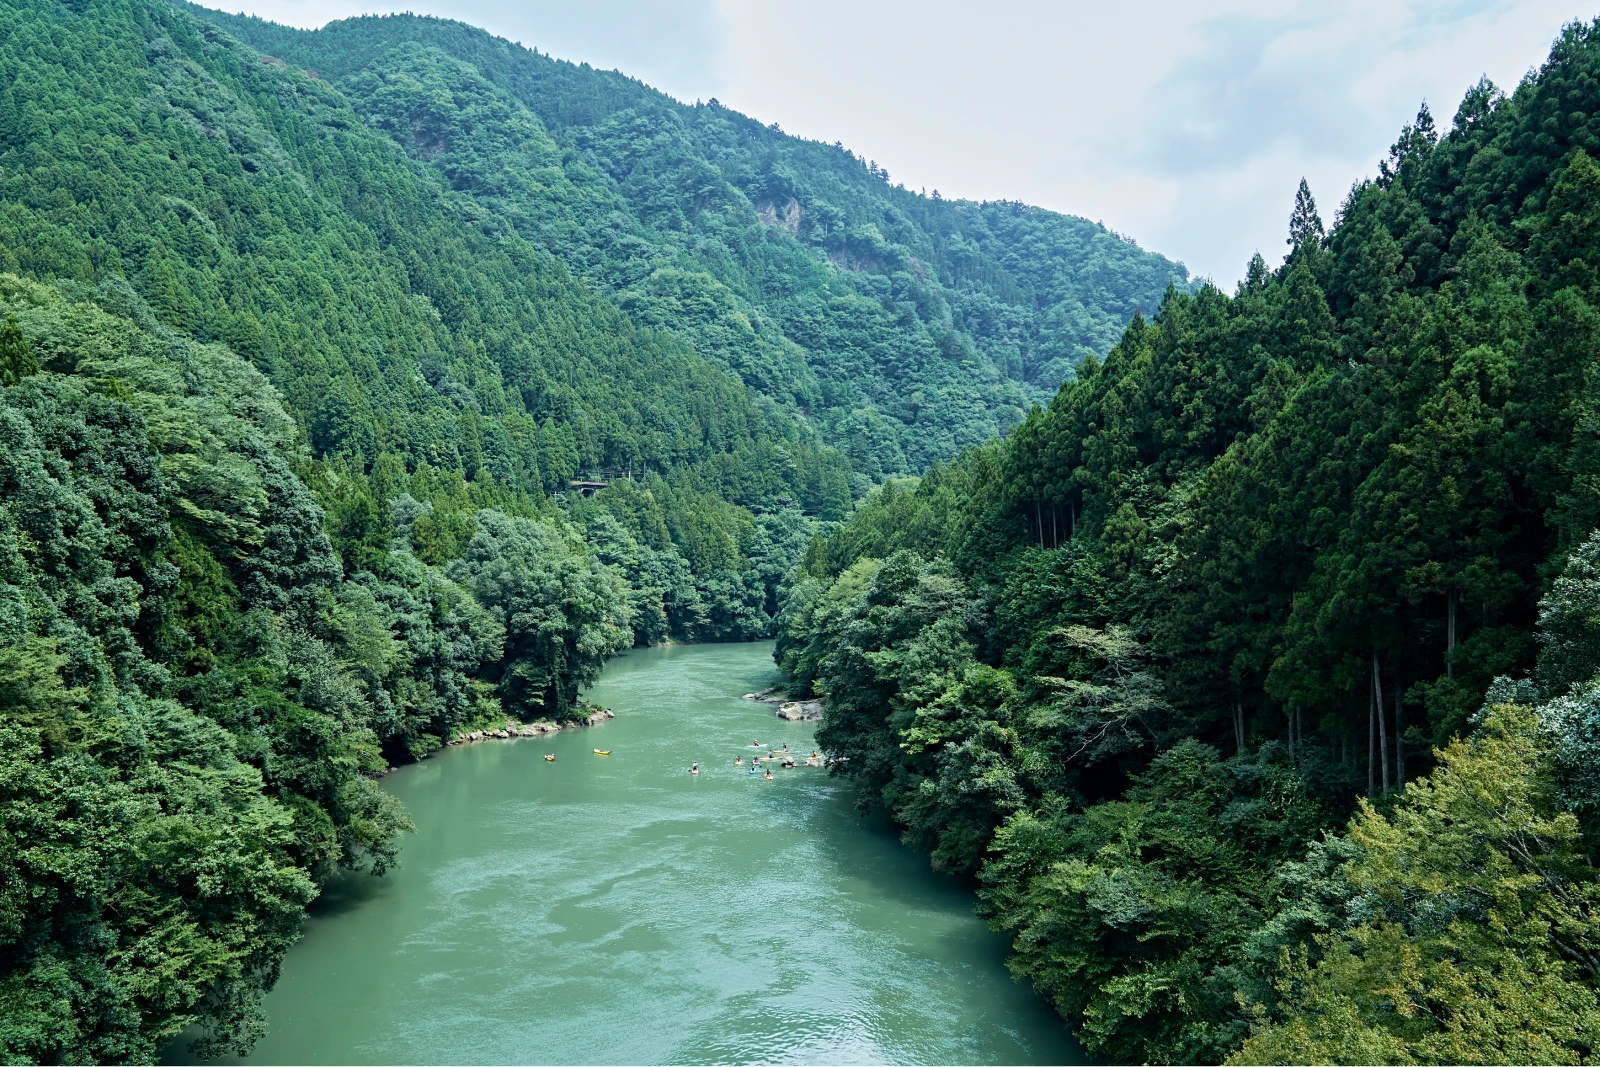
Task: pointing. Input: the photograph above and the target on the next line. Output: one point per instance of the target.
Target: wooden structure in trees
(591, 482)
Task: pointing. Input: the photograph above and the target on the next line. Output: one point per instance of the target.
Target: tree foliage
(1252, 573)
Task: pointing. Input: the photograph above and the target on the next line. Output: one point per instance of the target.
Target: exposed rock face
(768, 212)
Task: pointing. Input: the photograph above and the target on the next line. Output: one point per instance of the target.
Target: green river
(615, 909)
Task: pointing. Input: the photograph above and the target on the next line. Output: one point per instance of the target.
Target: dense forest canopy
(301, 349)
(1255, 679)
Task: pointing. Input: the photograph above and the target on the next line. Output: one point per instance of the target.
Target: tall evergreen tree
(1305, 225)
(16, 357)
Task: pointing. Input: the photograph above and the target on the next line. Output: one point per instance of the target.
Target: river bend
(617, 910)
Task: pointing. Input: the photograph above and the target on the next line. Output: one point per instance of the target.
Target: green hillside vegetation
(295, 372)
(906, 326)
(1196, 673)
(247, 204)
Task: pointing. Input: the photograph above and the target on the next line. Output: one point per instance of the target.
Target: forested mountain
(1255, 680)
(296, 367)
(906, 326)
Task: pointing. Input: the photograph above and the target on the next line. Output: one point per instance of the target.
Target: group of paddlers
(781, 756)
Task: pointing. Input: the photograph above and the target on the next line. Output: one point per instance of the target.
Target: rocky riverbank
(792, 710)
(532, 729)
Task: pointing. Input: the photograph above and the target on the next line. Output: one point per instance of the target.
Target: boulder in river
(800, 710)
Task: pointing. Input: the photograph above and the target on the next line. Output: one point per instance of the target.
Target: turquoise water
(617, 910)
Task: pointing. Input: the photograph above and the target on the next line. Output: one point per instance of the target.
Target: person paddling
(738, 761)
(769, 774)
(695, 767)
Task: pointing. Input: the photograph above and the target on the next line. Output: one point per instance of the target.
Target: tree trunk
(1038, 515)
(1072, 519)
(1291, 735)
(1372, 745)
(1238, 725)
(1055, 534)
(1399, 730)
(1383, 733)
(1450, 635)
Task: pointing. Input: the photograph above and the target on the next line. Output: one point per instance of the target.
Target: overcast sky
(1186, 125)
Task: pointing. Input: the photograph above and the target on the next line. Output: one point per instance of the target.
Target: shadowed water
(617, 910)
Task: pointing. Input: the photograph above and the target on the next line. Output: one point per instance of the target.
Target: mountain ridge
(617, 136)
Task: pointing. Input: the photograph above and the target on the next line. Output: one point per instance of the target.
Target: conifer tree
(1407, 154)
(1305, 225)
(16, 358)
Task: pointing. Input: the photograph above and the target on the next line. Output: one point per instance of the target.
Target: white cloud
(1187, 125)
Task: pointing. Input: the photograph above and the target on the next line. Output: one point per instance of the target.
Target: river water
(615, 909)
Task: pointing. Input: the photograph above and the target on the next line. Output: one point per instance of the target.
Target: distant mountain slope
(249, 204)
(911, 326)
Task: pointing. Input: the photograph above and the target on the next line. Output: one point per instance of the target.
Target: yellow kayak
(602, 752)
(549, 759)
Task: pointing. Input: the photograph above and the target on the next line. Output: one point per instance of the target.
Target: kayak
(602, 752)
(549, 759)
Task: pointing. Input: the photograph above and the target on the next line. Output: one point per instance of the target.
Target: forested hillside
(1196, 672)
(906, 325)
(296, 367)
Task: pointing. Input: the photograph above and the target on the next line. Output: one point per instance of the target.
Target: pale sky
(1184, 125)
